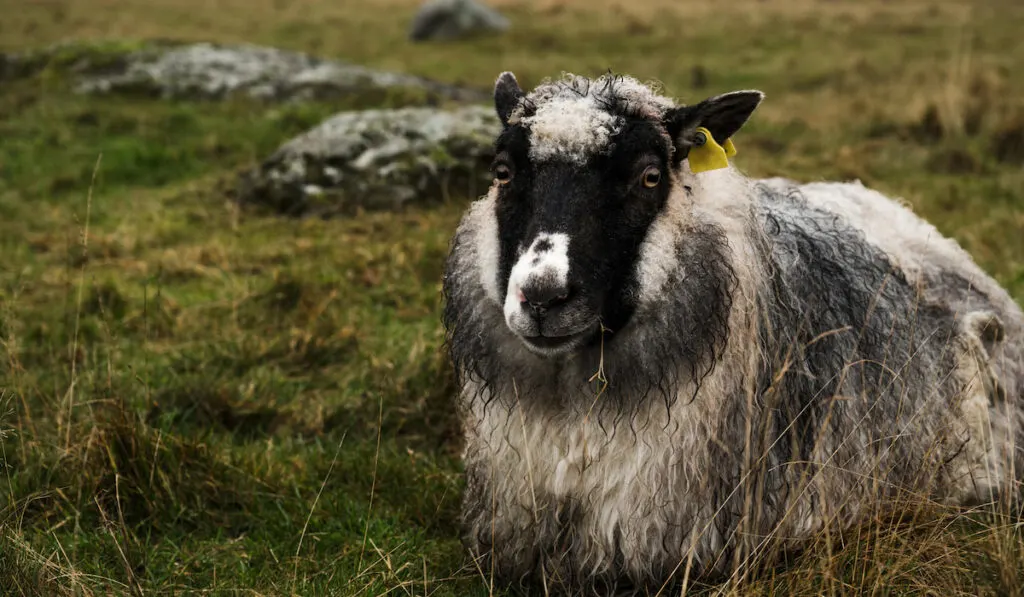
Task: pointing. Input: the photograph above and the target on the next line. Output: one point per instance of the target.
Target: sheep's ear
(723, 115)
(506, 95)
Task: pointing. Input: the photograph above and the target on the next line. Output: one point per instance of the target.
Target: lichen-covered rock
(377, 159)
(212, 71)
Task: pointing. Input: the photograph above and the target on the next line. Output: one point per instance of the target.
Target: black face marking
(603, 207)
(591, 161)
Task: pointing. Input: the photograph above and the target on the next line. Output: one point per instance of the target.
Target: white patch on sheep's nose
(546, 261)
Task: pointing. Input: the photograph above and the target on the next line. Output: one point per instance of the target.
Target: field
(199, 399)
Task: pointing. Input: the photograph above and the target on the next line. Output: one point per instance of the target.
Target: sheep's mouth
(553, 345)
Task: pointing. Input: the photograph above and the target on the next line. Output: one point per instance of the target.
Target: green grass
(197, 397)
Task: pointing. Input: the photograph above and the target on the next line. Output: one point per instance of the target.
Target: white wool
(571, 129)
(571, 119)
(486, 243)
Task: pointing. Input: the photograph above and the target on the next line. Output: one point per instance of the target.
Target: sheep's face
(582, 170)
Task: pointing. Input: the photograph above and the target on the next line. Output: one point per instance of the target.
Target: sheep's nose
(543, 296)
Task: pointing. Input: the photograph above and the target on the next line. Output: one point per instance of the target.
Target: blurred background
(223, 226)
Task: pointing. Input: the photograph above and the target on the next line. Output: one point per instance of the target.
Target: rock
(215, 71)
(212, 71)
(453, 19)
(377, 159)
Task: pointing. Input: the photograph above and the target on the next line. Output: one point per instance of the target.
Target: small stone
(454, 19)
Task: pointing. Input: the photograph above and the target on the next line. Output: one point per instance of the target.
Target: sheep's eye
(502, 174)
(651, 177)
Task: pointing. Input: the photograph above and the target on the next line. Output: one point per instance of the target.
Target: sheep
(667, 371)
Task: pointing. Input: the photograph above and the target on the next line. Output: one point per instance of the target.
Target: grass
(199, 399)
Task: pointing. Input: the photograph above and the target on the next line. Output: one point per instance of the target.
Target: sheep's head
(582, 169)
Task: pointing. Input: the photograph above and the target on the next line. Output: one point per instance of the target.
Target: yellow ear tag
(730, 149)
(710, 155)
